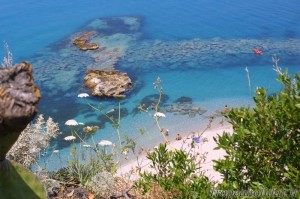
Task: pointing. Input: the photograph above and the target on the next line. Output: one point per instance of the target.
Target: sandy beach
(205, 147)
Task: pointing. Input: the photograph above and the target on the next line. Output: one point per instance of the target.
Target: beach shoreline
(131, 168)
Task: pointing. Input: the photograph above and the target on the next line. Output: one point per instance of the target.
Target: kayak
(257, 51)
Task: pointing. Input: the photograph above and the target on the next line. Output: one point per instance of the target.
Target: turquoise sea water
(198, 48)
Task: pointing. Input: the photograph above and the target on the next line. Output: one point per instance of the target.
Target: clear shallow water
(219, 78)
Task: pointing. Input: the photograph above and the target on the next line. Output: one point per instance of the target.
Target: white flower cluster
(159, 114)
(71, 123)
(86, 129)
(83, 95)
(105, 143)
(70, 138)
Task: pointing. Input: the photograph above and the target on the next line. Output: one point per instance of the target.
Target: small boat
(257, 51)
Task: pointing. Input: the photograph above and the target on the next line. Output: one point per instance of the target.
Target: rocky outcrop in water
(122, 45)
(81, 41)
(83, 45)
(113, 35)
(150, 101)
(107, 83)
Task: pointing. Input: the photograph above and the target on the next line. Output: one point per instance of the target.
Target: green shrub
(176, 172)
(264, 150)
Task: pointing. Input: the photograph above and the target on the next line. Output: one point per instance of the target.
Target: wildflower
(55, 151)
(204, 138)
(110, 111)
(159, 114)
(7, 61)
(83, 95)
(125, 151)
(286, 168)
(244, 170)
(246, 179)
(90, 129)
(71, 123)
(257, 90)
(86, 145)
(70, 138)
(105, 143)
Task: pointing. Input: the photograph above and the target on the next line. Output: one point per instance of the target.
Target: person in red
(257, 51)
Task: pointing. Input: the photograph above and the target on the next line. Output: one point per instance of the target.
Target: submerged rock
(105, 59)
(81, 41)
(184, 99)
(150, 101)
(184, 106)
(198, 53)
(83, 45)
(107, 83)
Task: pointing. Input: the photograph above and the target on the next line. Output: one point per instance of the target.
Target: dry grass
(156, 192)
(33, 141)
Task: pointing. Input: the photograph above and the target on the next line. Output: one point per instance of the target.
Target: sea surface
(199, 49)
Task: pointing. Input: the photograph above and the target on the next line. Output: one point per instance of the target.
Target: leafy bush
(177, 173)
(264, 150)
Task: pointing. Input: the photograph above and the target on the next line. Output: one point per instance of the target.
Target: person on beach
(167, 132)
(179, 137)
(226, 109)
(222, 122)
(152, 106)
(197, 140)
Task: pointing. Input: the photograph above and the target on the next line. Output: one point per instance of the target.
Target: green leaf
(18, 182)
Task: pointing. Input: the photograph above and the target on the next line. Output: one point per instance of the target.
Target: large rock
(107, 83)
(18, 103)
